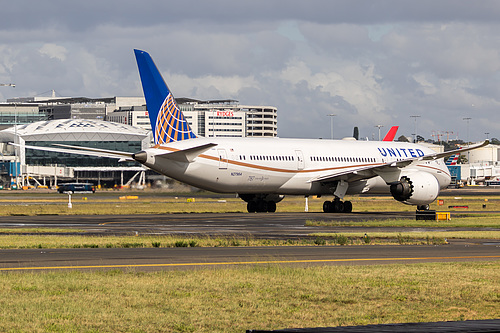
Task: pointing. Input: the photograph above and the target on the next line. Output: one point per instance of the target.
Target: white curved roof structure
(75, 130)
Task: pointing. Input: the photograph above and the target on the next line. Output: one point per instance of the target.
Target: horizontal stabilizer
(187, 155)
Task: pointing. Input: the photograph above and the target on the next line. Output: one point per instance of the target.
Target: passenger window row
(269, 158)
(342, 159)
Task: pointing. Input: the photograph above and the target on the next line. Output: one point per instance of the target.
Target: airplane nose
(140, 157)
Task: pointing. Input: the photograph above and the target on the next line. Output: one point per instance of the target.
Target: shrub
(181, 244)
(403, 239)
(319, 241)
(341, 239)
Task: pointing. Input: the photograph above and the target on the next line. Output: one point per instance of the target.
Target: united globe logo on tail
(167, 121)
(170, 123)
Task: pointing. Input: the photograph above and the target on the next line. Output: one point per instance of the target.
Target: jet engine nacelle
(418, 188)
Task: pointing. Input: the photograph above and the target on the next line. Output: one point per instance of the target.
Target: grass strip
(125, 208)
(417, 237)
(41, 241)
(164, 204)
(249, 297)
(40, 231)
(49, 241)
(462, 221)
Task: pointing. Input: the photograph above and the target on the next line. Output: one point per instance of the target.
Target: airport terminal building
(20, 165)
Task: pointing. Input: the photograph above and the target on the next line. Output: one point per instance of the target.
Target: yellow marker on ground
(443, 216)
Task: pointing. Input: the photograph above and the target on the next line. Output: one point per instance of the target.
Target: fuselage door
(300, 159)
(222, 158)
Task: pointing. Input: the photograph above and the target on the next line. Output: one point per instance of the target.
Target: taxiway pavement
(262, 225)
(147, 259)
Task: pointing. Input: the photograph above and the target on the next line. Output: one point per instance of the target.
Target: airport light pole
(415, 117)
(467, 119)
(468, 144)
(331, 115)
(379, 126)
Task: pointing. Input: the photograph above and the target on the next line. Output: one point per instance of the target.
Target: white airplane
(262, 170)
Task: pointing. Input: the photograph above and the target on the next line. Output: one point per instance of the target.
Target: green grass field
(49, 241)
(252, 297)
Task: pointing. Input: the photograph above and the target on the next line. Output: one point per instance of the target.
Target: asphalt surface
(476, 326)
(277, 225)
(147, 259)
(260, 225)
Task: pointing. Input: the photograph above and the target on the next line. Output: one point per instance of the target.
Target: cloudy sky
(369, 62)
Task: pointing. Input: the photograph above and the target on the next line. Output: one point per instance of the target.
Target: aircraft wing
(363, 172)
(388, 171)
(453, 152)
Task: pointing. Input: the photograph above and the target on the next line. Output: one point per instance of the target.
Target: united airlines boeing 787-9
(263, 170)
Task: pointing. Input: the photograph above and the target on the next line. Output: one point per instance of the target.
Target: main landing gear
(337, 206)
(261, 203)
(261, 206)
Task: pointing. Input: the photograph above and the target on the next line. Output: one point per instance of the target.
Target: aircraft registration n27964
(263, 170)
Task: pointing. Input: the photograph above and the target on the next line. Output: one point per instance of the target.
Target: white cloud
(205, 87)
(54, 51)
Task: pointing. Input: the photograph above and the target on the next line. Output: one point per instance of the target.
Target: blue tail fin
(167, 121)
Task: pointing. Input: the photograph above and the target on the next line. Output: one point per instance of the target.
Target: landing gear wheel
(347, 207)
(423, 207)
(338, 206)
(271, 206)
(262, 206)
(327, 207)
(251, 206)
